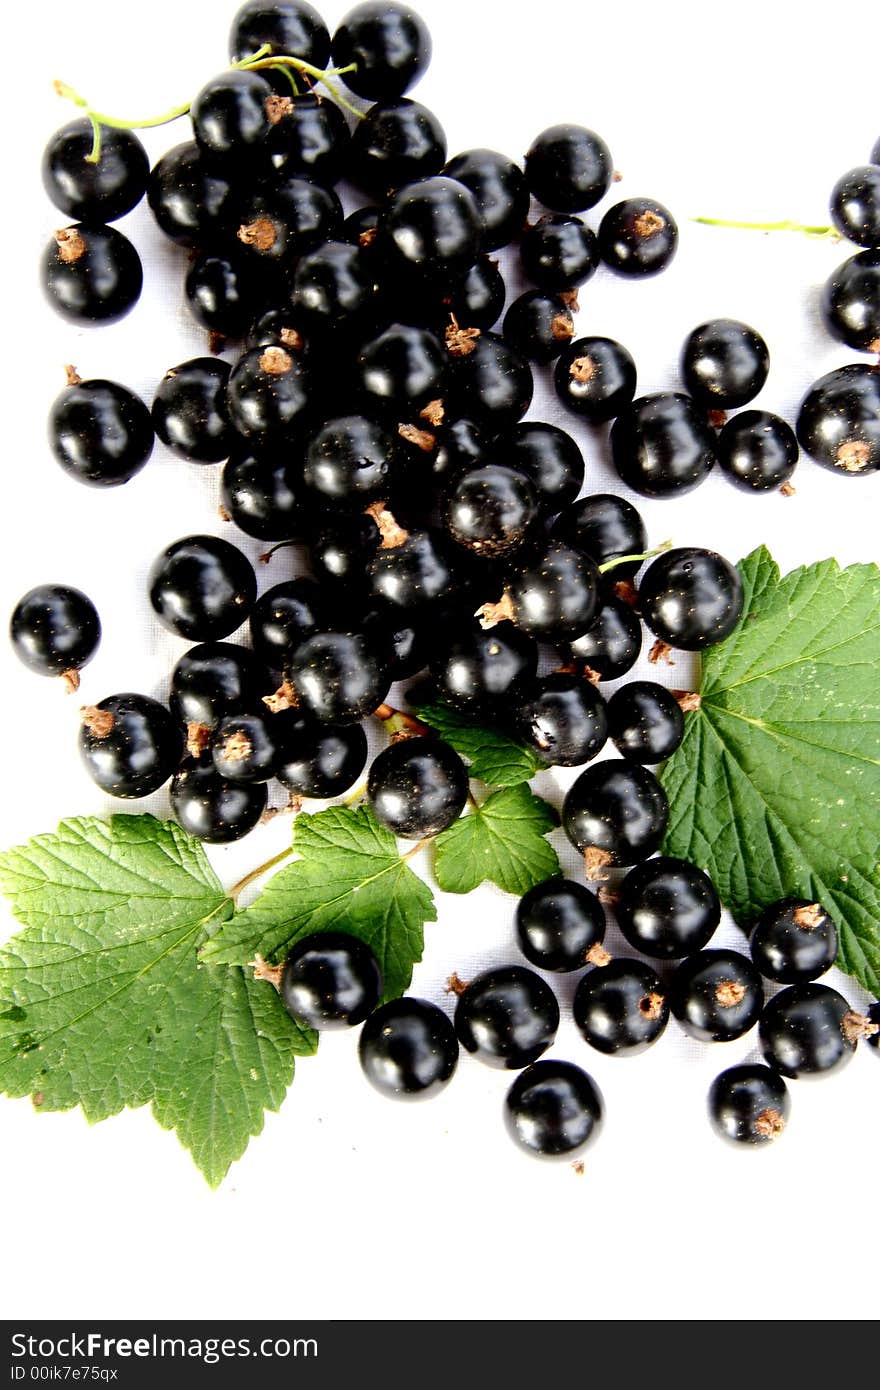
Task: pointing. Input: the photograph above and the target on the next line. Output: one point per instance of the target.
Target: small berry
(553, 1110)
(55, 630)
(408, 1049)
(638, 237)
(749, 1105)
(716, 995)
(667, 908)
(418, 787)
(330, 980)
(794, 941)
(558, 923)
(724, 364)
(807, 1030)
(620, 1008)
(507, 1017)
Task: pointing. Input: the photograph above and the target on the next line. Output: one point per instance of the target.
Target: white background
(349, 1205)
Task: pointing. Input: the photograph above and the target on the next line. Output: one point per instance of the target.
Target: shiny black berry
(691, 598)
(262, 493)
(94, 192)
(615, 813)
(230, 115)
(189, 410)
(389, 45)
(351, 461)
(549, 458)
(757, 451)
(851, 302)
(396, 143)
(611, 644)
(491, 510)
(749, 1104)
(638, 237)
(667, 908)
(621, 1008)
(91, 274)
(311, 139)
(809, 1029)
(417, 787)
(431, 230)
(855, 205)
(558, 253)
(317, 760)
(568, 168)
(408, 1049)
(267, 394)
(337, 677)
(562, 719)
(130, 744)
(716, 995)
(221, 289)
(402, 370)
(202, 588)
(192, 199)
(285, 218)
(661, 444)
(213, 809)
(645, 721)
(838, 423)
(724, 364)
(553, 594)
(491, 384)
(595, 378)
(538, 325)
(330, 979)
(558, 923)
(284, 616)
(100, 432)
(606, 528)
(480, 671)
(213, 680)
(500, 192)
(794, 941)
(243, 747)
(507, 1017)
(416, 575)
(55, 630)
(553, 1110)
(287, 26)
(333, 287)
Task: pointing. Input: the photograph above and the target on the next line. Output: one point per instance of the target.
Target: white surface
(348, 1205)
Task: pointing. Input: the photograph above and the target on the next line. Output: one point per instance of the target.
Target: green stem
(816, 231)
(259, 871)
(631, 559)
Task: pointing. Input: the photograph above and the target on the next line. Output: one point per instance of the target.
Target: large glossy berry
(606, 528)
(286, 217)
(284, 616)
(192, 199)
(491, 384)
(668, 908)
(757, 451)
(230, 115)
(189, 410)
(838, 423)
(331, 979)
(549, 458)
(243, 747)
(558, 923)
(538, 325)
(562, 719)
(396, 143)
(621, 1008)
(221, 290)
(338, 677)
(408, 1049)
(507, 1017)
(500, 192)
(91, 274)
(855, 205)
(389, 45)
(311, 139)
(645, 721)
(716, 995)
(341, 550)
(288, 26)
(317, 760)
(553, 1110)
(558, 253)
(262, 493)
(416, 575)
(595, 378)
(851, 302)
(333, 288)
(724, 363)
(480, 671)
(213, 809)
(568, 168)
(809, 1029)
(202, 588)
(130, 744)
(611, 644)
(402, 370)
(615, 813)
(350, 461)
(491, 510)
(460, 445)
(638, 237)
(662, 445)
(749, 1104)
(475, 300)
(98, 192)
(431, 230)
(100, 432)
(417, 787)
(213, 680)
(691, 598)
(267, 393)
(55, 630)
(552, 594)
(794, 941)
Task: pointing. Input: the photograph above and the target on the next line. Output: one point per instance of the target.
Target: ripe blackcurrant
(338, 677)
(212, 808)
(724, 364)
(851, 302)
(500, 192)
(667, 908)
(568, 168)
(408, 1049)
(293, 27)
(431, 229)
(491, 510)
(604, 527)
(621, 1008)
(480, 671)
(538, 325)
(838, 423)
(130, 744)
(757, 451)
(611, 644)
(350, 461)
(191, 198)
(595, 378)
(507, 1017)
(638, 237)
(402, 370)
(491, 384)
(230, 115)
(749, 1104)
(415, 575)
(91, 274)
(691, 598)
(418, 787)
(550, 459)
(267, 393)
(794, 941)
(281, 220)
(317, 760)
(716, 995)
(331, 979)
(558, 923)
(855, 205)
(396, 143)
(645, 721)
(55, 630)
(553, 1110)
(215, 679)
(262, 493)
(558, 253)
(189, 410)
(243, 747)
(615, 813)
(284, 616)
(389, 45)
(809, 1029)
(202, 588)
(661, 444)
(562, 718)
(94, 192)
(311, 139)
(100, 432)
(552, 594)
(333, 287)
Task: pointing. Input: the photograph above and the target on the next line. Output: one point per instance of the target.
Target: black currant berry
(552, 594)
(230, 115)
(558, 924)
(667, 908)
(691, 598)
(408, 1049)
(331, 979)
(290, 27)
(553, 1110)
(100, 432)
(615, 813)
(716, 995)
(414, 575)
(55, 630)
(350, 461)
(491, 384)
(855, 205)
(91, 274)
(130, 744)
(396, 143)
(333, 288)
(562, 719)
(621, 1008)
(389, 45)
(500, 192)
(262, 493)
(100, 191)
(550, 459)
(278, 327)
(220, 289)
(243, 747)
(724, 364)
(202, 588)
(662, 445)
(418, 787)
(402, 370)
(851, 302)
(568, 168)
(507, 1017)
(431, 230)
(794, 941)
(645, 722)
(491, 510)
(267, 393)
(558, 253)
(317, 760)
(189, 410)
(838, 423)
(606, 528)
(213, 809)
(638, 237)
(342, 549)
(538, 325)
(480, 671)
(611, 644)
(284, 616)
(311, 139)
(283, 219)
(749, 1104)
(809, 1029)
(337, 677)
(595, 378)
(192, 199)
(213, 680)
(459, 446)
(757, 451)
(405, 644)
(476, 300)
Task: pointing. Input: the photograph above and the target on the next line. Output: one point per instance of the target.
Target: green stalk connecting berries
(263, 59)
(817, 232)
(633, 559)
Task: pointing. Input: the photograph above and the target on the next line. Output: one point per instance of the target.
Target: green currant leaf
(494, 759)
(350, 876)
(775, 789)
(502, 841)
(103, 1003)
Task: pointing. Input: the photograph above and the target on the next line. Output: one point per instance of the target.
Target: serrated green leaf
(350, 877)
(493, 758)
(103, 1003)
(501, 842)
(775, 789)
